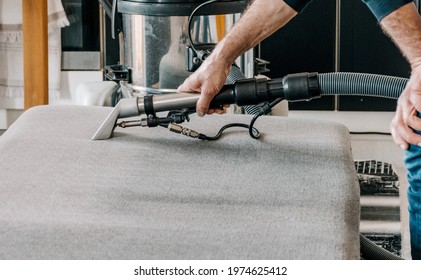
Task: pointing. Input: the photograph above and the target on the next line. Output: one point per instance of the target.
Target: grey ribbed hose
(361, 84)
(371, 251)
(234, 75)
(344, 84)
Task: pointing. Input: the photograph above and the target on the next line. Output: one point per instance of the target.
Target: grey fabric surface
(148, 193)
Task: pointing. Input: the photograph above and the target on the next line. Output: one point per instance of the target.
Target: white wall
(355, 121)
(69, 81)
(7, 117)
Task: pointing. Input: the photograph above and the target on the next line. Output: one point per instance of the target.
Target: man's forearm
(261, 19)
(404, 27)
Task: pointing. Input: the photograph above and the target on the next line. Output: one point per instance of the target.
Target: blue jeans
(413, 165)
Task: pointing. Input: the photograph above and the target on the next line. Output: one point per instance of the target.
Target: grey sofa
(148, 193)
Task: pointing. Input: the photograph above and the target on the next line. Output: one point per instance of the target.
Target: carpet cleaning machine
(163, 41)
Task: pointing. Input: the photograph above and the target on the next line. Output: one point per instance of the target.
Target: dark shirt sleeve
(297, 5)
(381, 8)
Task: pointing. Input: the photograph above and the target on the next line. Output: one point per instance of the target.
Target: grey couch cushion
(148, 193)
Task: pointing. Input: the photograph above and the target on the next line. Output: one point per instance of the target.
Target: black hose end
(301, 87)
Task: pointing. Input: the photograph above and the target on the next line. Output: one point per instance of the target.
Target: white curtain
(11, 51)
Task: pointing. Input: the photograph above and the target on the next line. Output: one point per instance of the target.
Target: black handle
(248, 92)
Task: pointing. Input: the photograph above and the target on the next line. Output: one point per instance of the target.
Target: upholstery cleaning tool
(293, 88)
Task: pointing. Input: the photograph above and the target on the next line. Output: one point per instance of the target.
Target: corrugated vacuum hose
(361, 84)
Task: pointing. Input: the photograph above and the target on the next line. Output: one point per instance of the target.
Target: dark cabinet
(305, 44)
(365, 48)
(335, 35)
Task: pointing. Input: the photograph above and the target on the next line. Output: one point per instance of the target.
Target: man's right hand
(208, 80)
(260, 20)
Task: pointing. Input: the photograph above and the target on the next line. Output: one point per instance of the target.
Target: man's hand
(406, 120)
(207, 80)
(261, 19)
(404, 27)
